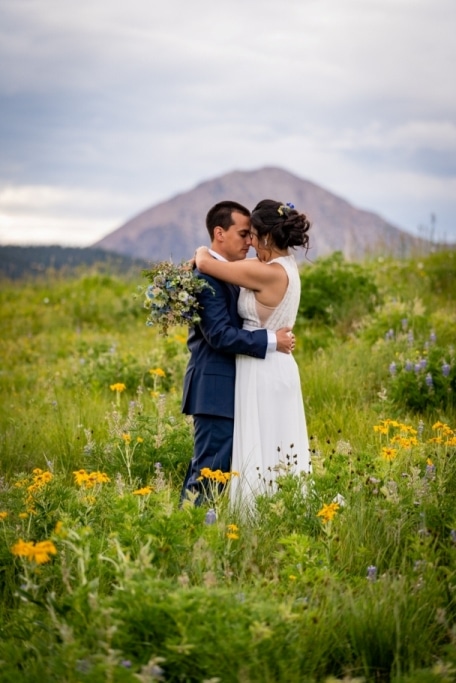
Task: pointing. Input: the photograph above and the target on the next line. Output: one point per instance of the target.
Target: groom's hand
(285, 340)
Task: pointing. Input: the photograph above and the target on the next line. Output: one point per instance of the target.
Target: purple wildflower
(393, 368)
(433, 337)
(446, 369)
(372, 573)
(429, 380)
(404, 323)
(408, 365)
(211, 517)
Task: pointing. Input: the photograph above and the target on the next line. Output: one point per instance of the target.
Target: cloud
(143, 100)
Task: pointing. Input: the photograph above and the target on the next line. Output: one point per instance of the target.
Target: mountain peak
(173, 228)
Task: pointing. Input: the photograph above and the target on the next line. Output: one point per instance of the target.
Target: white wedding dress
(270, 433)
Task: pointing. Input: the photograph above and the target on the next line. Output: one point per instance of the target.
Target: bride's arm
(250, 273)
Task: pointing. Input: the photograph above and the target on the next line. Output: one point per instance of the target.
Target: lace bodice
(255, 315)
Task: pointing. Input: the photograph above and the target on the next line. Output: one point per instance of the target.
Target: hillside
(172, 229)
(17, 262)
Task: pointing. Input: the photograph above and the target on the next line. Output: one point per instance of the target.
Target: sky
(108, 108)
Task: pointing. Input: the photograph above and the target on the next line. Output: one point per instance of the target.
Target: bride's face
(258, 244)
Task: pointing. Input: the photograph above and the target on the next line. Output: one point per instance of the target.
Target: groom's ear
(218, 233)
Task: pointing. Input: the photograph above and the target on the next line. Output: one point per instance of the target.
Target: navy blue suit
(210, 376)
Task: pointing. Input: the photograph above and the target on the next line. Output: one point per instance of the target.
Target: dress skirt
(270, 432)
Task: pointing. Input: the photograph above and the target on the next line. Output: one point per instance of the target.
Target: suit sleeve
(219, 328)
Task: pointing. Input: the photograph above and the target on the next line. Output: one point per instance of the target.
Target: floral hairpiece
(284, 209)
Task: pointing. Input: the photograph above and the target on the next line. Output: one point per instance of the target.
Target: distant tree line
(18, 262)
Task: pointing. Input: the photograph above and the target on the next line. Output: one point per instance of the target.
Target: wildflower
(89, 479)
(118, 387)
(232, 527)
(404, 323)
(446, 369)
(429, 380)
(388, 453)
(126, 437)
(144, 491)
(433, 337)
(158, 372)
(37, 552)
(232, 536)
(139, 439)
(393, 368)
(3, 515)
(372, 573)
(439, 425)
(328, 512)
(58, 529)
(410, 337)
(23, 515)
(382, 429)
(430, 469)
(43, 550)
(408, 365)
(211, 517)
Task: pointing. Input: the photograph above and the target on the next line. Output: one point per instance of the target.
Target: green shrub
(336, 292)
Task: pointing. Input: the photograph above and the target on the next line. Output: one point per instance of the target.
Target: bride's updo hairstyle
(286, 226)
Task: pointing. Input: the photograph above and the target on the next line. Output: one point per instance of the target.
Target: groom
(213, 344)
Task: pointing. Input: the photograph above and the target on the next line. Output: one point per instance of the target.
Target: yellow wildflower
(23, 515)
(89, 479)
(43, 550)
(22, 548)
(144, 491)
(118, 387)
(126, 437)
(232, 527)
(232, 536)
(38, 552)
(3, 515)
(139, 439)
(381, 429)
(439, 425)
(328, 512)
(388, 453)
(158, 372)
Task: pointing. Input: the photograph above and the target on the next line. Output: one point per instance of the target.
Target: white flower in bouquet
(171, 298)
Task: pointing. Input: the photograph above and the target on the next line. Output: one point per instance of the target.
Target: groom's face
(236, 241)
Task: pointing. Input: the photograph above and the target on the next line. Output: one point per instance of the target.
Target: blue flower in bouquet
(171, 297)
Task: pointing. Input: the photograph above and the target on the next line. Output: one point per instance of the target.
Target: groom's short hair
(220, 216)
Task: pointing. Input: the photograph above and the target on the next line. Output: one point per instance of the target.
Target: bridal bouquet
(171, 296)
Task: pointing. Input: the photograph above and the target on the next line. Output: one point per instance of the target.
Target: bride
(270, 433)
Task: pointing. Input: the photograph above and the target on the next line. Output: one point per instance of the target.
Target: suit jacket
(213, 345)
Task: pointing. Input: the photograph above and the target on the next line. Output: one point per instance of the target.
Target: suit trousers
(213, 448)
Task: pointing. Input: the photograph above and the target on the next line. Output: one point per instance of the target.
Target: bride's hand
(200, 253)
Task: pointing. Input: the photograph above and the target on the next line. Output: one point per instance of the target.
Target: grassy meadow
(104, 579)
